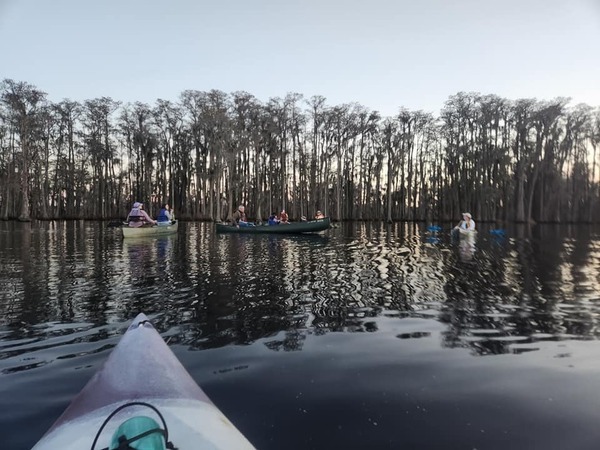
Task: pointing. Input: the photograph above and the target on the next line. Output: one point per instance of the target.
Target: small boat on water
(156, 230)
(142, 397)
(310, 226)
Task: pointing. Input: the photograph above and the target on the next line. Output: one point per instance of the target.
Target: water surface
(366, 336)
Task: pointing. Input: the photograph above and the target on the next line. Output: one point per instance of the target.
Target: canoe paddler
(467, 223)
(137, 217)
(283, 217)
(238, 219)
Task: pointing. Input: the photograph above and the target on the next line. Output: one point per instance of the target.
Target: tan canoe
(157, 230)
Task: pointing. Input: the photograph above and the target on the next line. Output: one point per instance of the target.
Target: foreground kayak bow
(142, 397)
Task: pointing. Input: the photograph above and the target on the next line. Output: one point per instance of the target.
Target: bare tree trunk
(24, 215)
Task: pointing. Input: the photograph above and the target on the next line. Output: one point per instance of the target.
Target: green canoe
(310, 226)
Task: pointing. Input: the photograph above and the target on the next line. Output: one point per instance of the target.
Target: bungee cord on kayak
(142, 373)
(134, 425)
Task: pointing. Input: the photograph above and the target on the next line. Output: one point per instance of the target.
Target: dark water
(368, 336)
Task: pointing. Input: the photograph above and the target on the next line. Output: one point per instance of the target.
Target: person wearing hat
(467, 224)
(137, 217)
(319, 215)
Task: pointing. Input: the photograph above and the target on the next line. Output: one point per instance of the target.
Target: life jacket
(162, 216)
(136, 218)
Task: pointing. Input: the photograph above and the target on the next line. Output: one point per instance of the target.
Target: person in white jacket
(467, 223)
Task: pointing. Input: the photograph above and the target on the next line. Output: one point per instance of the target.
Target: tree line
(502, 160)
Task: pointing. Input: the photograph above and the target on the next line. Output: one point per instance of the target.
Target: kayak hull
(157, 230)
(142, 368)
(311, 226)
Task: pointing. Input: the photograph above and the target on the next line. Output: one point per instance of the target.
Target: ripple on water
(269, 303)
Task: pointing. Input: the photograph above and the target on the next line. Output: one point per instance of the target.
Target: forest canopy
(506, 160)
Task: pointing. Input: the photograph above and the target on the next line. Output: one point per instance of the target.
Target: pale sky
(383, 54)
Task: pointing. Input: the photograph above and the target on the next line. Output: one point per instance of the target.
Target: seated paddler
(273, 220)
(238, 218)
(164, 216)
(283, 217)
(137, 217)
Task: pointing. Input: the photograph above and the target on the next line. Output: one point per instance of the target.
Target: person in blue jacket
(273, 220)
(165, 217)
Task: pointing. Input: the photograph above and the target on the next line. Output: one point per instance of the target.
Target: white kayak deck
(143, 368)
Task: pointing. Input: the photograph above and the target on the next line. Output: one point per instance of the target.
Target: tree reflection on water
(330, 332)
(495, 294)
(538, 286)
